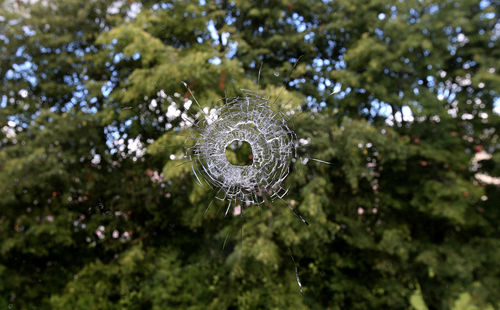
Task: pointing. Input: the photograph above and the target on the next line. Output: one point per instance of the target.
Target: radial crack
(249, 119)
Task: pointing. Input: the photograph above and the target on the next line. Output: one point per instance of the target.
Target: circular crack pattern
(250, 119)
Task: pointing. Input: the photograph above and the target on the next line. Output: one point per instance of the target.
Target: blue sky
(25, 70)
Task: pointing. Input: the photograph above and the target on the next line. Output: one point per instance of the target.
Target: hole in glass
(239, 153)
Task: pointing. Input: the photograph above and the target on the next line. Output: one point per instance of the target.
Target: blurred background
(99, 210)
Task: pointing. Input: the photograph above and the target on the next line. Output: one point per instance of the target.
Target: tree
(99, 212)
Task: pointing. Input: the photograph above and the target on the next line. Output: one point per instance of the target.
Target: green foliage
(100, 210)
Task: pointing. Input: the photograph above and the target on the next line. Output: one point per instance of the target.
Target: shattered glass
(249, 119)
